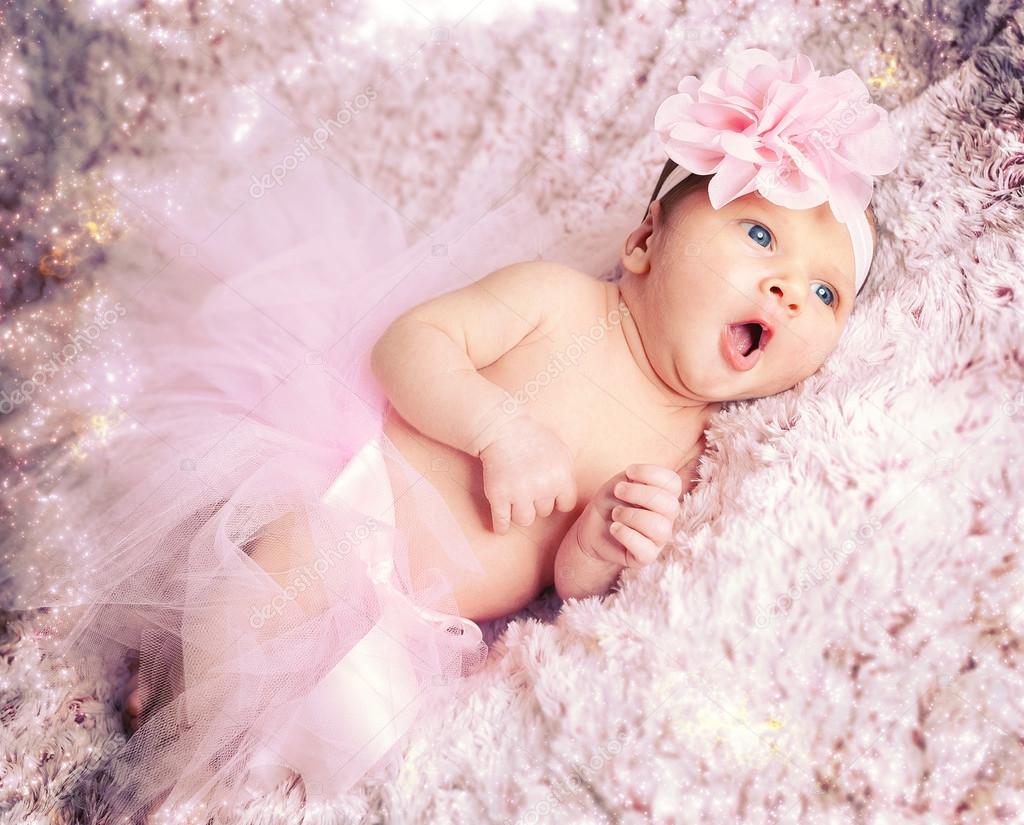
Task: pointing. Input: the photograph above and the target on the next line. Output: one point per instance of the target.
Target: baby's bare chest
(575, 382)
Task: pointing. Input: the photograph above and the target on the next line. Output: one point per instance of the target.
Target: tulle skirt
(260, 553)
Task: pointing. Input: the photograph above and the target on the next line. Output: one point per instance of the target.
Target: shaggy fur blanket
(836, 634)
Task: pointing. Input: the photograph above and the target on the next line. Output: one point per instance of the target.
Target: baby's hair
(679, 191)
(692, 182)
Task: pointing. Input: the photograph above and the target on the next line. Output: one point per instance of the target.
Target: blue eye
(762, 235)
(827, 290)
(759, 233)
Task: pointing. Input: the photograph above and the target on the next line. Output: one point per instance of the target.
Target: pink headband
(780, 128)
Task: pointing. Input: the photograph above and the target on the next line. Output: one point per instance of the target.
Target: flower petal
(782, 108)
(801, 69)
(875, 151)
(743, 63)
(694, 133)
(849, 195)
(718, 116)
(743, 147)
(734, 178)
(672, 110)
(759, 84)
(689, 86)
(805, 164)
(791, 189)
(696, 159)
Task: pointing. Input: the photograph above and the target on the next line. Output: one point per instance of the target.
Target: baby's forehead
(816, 228)
(820, 214)
(820, 217)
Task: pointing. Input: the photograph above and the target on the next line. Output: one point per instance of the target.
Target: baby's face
(710, 270)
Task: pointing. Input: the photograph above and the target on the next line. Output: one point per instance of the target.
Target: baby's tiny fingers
(566, 501)
(640, 549)
(544, 506)
(523, 513)
(654, 526)
(657, 475)
(501, 516)
(646, 495)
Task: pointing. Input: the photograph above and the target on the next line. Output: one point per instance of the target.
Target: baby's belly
(517, 565)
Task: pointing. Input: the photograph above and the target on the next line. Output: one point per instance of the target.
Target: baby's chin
(710, 374)
(730, 385)
(763, 389)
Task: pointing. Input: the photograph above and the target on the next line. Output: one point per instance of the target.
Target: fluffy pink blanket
(836, 635)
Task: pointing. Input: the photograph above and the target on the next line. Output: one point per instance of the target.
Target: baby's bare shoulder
(569, 296)
(507, 307)
(551, 277)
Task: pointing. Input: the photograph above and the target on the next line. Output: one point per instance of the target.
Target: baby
(736, 285)
(570, 480)
(560, 417)
(580, 478)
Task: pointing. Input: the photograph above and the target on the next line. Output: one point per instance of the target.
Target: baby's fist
(643, 523)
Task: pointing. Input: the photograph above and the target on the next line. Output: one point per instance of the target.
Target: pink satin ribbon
(373, 696)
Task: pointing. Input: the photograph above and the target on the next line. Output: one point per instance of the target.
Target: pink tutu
(257, 422)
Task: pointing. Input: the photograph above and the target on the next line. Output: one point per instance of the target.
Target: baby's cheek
(811, 358)
(792, 367)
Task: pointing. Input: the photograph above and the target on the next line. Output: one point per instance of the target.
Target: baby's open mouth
(743, 343)
(746, 337)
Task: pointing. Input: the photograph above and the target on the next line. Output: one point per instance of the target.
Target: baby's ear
(636, 254)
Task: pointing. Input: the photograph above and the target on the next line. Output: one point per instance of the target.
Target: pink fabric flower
(779, 127)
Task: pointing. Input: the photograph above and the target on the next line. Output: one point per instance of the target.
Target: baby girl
(564, 464)
(583, 479)
(736, 285)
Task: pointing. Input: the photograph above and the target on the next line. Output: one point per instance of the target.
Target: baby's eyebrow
(839, 275)
(828, 266)
(842, 279)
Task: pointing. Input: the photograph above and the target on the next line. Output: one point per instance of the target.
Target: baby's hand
(631, 516)
(528, 472)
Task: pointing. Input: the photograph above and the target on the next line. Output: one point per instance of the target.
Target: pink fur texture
(836, 633)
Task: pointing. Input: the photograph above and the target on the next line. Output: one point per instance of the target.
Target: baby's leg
(136, 698)
(285, 550)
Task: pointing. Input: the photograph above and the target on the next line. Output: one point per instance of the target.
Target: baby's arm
(579, 574)
(427, 359)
